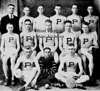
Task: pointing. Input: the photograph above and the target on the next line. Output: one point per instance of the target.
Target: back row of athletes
(28, 40)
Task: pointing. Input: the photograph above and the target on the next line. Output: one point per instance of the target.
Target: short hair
(58, 5)
(47, 48)
(10, 5)
(71, 44)
(27, 20)
(48, 20)
(67, 21)
(85, 23)
(27, 6)
(9, 24)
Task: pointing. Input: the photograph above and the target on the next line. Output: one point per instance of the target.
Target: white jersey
(87, 40)
(68, 38)
(49, 39)
(10, 40)
(39, 23)
(22, 21)
(28, 39)
(92, 22)
(58, 23)
(76, 22)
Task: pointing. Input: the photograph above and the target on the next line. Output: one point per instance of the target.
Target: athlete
(58, 20)
(93, 21)
(66, 38)
(9, 49)
(26, 11)
(39, 21)
(76, 20)
(29, 70)
(47, 68)
(49, 39)
(87, 43)
(28, 38)
(72, 61)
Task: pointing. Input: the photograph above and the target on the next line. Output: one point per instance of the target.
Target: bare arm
(18, 43)
(2, 44)
(80, 67)
(61, 43)
(41, 43)
(35, 42)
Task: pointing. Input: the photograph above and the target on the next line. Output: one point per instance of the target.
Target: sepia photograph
(49, 45)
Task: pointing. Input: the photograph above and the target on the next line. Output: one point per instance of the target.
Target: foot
(12, 82)
(6, 82)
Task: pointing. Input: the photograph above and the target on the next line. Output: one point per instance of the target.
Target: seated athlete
(47, 68)
(29, 70)
(49, 39)
(87, 43)
(66, 38)
(72, 61)
(9, 49)
(76, 20)
(93, 21)
(28, 38)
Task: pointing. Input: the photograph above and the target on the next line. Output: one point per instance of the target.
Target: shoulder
(16, 35)
(4, 35)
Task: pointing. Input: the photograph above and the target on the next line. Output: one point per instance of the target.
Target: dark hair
(71, 44)
(85, 23)
(47, 48)
(10, 5)
(9, 24)
(27, 6)
(58, 5)
(48, 20)
(27, 20)
(67, 21)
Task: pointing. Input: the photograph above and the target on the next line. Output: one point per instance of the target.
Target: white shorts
(9, 52)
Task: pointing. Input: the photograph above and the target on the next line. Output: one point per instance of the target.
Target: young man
(39, 21)
(76, 20)
(49, 39)
(28, 37)
(93, 22)
(26, 11)
(47, 68)
(29, 71)
(66, 38)
(10, 18)
(87, 43)
(72, 61)
(58, 20)
(9, 48)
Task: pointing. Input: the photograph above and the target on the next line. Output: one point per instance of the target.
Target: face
(26, 10)
(90, 9)
(58, 10)
(71, 49)
(85, 28)
(28, 25)
(9, 28)
(74, 9)
(40, 10)
(28, 54)
(48, 25)
(68, 27)
(47, 53)
(11, 9)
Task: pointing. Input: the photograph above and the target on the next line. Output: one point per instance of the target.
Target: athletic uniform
(76, 23)
(93, 23)
(58, 23)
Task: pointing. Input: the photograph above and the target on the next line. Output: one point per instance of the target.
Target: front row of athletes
(44, 63)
